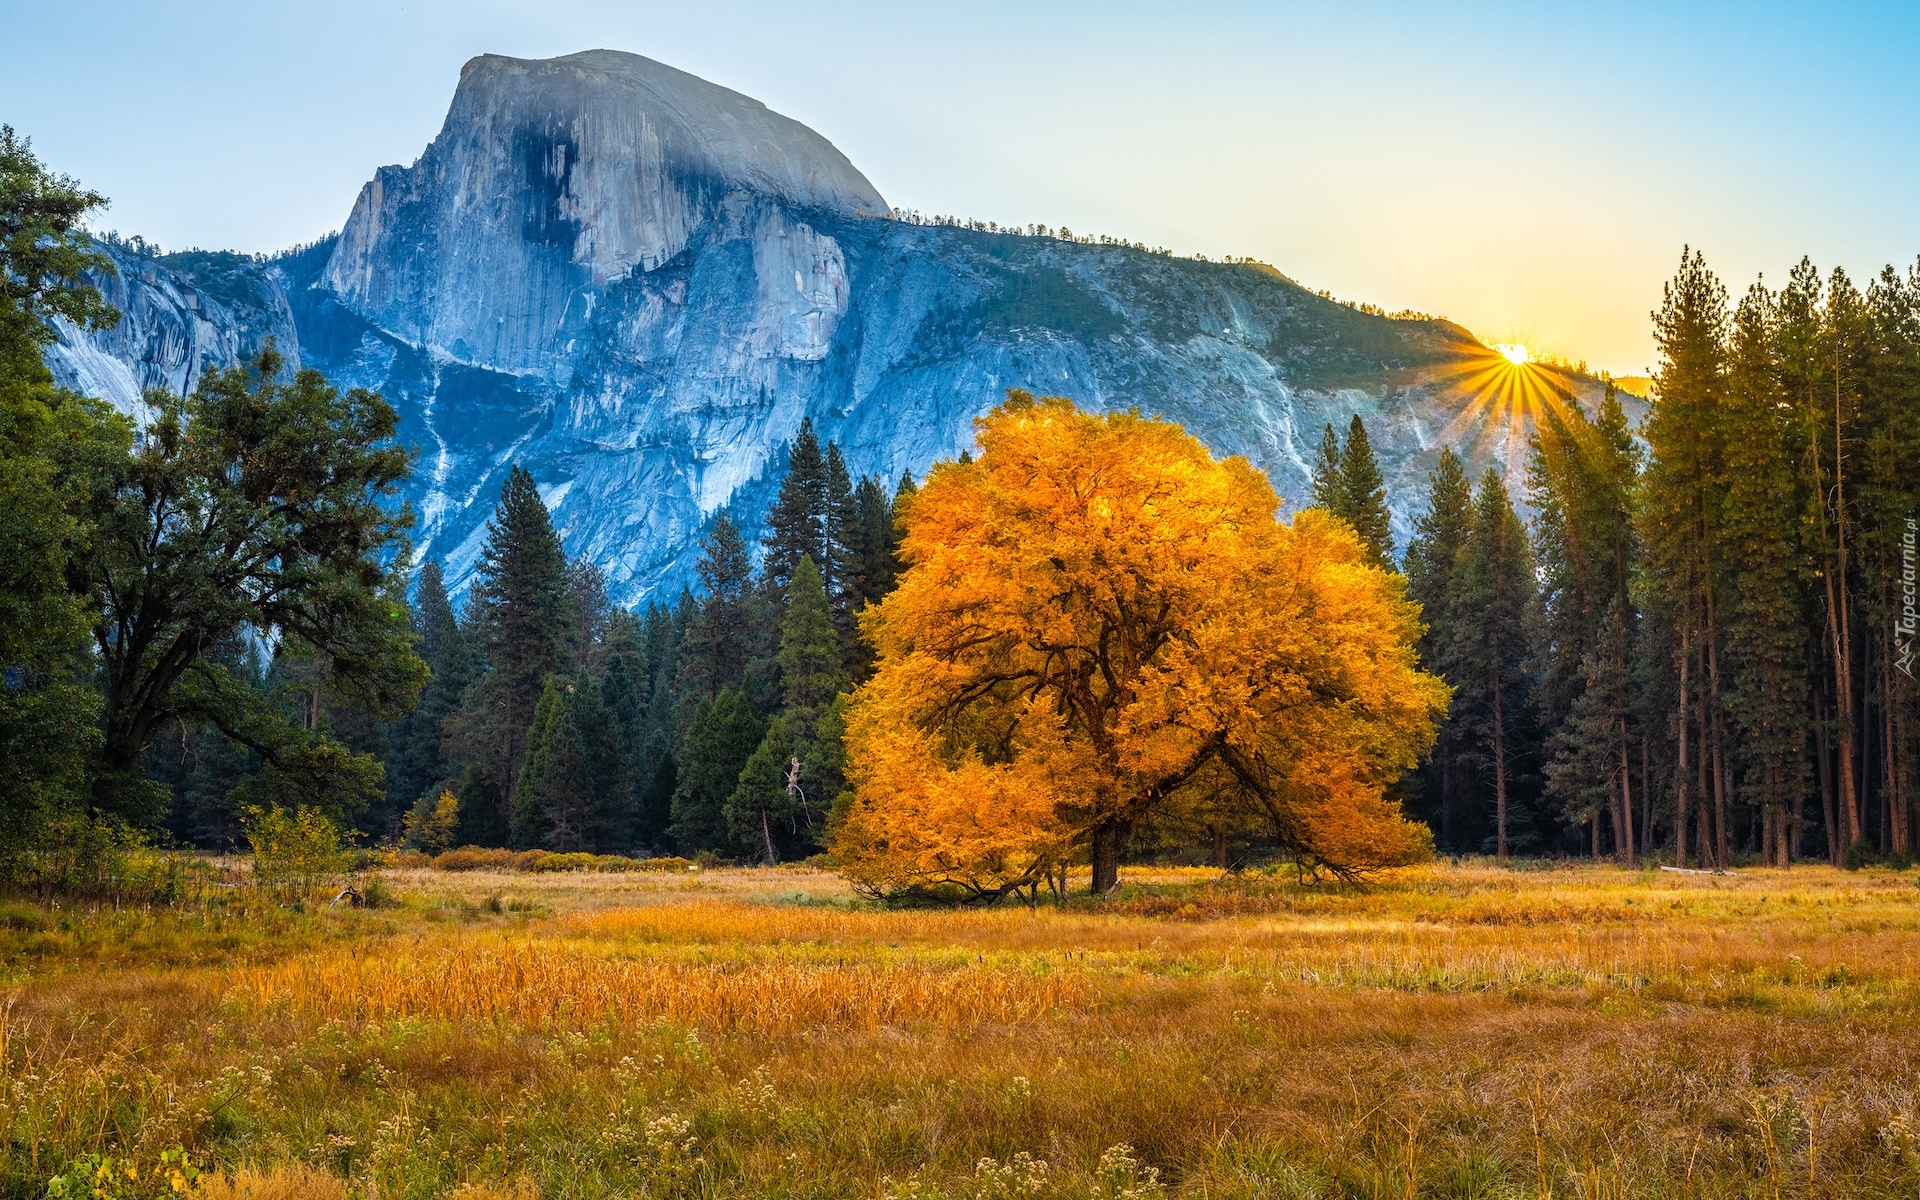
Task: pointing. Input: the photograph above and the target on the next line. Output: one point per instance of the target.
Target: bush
(1900, 860)
(1860, 854)
(294, 853)
(476, 858)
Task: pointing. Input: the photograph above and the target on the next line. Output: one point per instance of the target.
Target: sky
(1530, 171)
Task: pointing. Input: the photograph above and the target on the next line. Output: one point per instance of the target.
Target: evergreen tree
(1766, 694)
(1492, 602)
(532, 820)
(1680, 521)
(759, 811)
(1581, 475)
(1440, 534)
(1329, 482)
(627, 723)
(592, 616)
(523, 626)
(722, 639)
(840, 565)
(655, 815)
(1347, 483)
(796, 525)
(417, 761)
(724, 734)
(1363, 496)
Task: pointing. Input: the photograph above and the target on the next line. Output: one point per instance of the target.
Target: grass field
(1454, 1031)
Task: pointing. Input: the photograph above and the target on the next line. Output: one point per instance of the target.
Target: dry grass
(1459, 1031)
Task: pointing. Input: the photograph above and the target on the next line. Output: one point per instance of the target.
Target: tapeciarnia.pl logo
(1908, 622)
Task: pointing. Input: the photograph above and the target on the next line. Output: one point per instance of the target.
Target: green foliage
(296, 852)
(432, 824)
(759, 812)
(254, 505)
(521, 632)
(724, 734)
(1347, 483)
(99, 1176)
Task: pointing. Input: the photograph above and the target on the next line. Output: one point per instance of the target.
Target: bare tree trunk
(1220, 849)
(1446, 798)
(1900, 837)
(1719, 739)
(766, 840)
(1824, 745)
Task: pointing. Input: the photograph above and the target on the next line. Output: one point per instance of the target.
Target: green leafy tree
(759, 812)
(253, 505)
(58, 452)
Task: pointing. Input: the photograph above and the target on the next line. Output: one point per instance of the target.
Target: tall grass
(1454, 1032)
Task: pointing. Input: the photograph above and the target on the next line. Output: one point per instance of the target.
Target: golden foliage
(1099, 622)
(296, 1182)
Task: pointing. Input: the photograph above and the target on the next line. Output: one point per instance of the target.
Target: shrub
(1860, 854)
(293, 853)
(1900, 860)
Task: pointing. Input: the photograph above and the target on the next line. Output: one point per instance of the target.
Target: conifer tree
(721, 641)
(796, 526)
(1680, 521)
(759, 811)
(1492, 603)
(522, 623)
(1440, 535)
(1766, 694)
(591, 613)
(812, 677)
(531, 819)
(724, 733)
(1581, 475)
(1363, 496)
(417, 761)
(627, 725)
(662, 778)
(1329, 482)
(841, 561)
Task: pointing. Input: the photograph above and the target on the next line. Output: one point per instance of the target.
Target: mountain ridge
(522, 297)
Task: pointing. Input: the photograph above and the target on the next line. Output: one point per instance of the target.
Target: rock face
(637, 285)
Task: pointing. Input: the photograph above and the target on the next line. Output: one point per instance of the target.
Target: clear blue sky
(1529, 170)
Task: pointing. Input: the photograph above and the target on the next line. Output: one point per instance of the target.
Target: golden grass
(520, 984)
(1454, 1031)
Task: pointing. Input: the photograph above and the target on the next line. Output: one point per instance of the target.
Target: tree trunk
(1220, 849)
(1500, 766)
(766, 840)
(1711, 640)
(1446, 798)
(1822, 743)
(1626, 801)
(1896, 808)
(1680, 805)
(1109, 838)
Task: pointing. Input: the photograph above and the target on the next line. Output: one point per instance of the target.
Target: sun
(1514, 353)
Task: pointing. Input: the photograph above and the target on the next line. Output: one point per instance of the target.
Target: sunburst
(1497, 394)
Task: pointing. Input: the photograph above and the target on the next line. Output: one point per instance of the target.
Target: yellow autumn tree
(1098, 623)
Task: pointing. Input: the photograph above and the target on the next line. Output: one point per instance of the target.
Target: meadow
(1452, 1030)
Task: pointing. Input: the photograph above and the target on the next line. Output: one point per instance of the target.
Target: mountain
(637, 284)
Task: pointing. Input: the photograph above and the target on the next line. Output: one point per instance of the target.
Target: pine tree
(591, 613)
(1766, 693)
(1440, 534)
(1329, 482)
(722, 639)
(522, 628)
(655, 814)
(627, 724)
(1680, 521)
(1581, 475)
(759, 811)
(1493, 598)
(417, 761)
(1363, 496)
(839, 568)
(724, 734)
(532, 822)
(796, 526)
